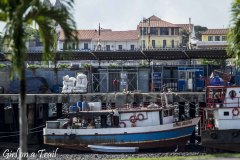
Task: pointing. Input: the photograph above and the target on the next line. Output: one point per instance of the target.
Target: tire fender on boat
(140, 117)
(133, 119)
(235, 112)
(72, 136)
(122, 123)
(213, 135)
(235, 134)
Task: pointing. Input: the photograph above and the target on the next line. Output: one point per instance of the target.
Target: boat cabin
(222, 111)
(95, 117)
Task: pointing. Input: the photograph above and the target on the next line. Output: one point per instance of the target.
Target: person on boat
(115, 85)
(84, 123)
(217, 100)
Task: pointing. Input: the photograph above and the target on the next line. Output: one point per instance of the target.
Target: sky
(126, 14)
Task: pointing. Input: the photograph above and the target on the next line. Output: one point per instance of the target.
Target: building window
(132, 47)
(164, 43)
(176, 31)
(172, 43)
(153, 43)
(85, 46)
(164, 31)
(165, 113)
(64, 45)
(172, 31)
(210, 38)
(77, 46)
(143, 44)
(224, 38)
(108, 47)
(217, 38)
(153, 31)
(120, 47)
(143, 30)
(226, 113)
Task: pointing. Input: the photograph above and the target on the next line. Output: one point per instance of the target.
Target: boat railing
(226, 102)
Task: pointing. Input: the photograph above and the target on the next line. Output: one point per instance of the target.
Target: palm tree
(20, 14)
(234, 33)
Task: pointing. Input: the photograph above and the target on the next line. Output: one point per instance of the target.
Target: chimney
(190, 25)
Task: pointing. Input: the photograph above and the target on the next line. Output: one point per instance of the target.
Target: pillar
(2, 119)
(59, 110)
(181, 107)
(192, 114)
(45, 112)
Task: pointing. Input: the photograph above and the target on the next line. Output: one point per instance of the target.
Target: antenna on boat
(164, 99)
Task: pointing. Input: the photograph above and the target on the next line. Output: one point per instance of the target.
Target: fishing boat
(220, 119)
(153, 126)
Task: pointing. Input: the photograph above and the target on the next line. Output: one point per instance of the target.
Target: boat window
(170, 112)
(165, 113)
(226, 113)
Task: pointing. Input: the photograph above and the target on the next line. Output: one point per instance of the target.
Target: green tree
(199, 30)
(233, 37)
(215, 62)
(18, 15)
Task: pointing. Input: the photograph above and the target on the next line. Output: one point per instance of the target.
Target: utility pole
(98, 47)
(148, 33)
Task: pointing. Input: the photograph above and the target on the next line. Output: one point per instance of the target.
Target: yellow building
(214, 35)
(213, 38)
(157, 33)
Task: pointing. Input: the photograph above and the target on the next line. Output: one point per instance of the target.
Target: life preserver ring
(213, 135)
(140, 117)
(210, 126)
(235, 112)
(133, 119)
(122, 123)
(232, 94)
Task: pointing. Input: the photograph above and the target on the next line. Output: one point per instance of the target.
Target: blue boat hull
(169, 138)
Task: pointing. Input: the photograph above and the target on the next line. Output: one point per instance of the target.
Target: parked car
(34, 85)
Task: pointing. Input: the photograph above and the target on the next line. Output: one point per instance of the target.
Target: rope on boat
(29, 129)
(19, 134)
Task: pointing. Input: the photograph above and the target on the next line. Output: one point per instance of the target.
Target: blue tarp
(216, 81)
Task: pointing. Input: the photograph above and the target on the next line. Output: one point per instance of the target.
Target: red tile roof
(82, 34)
(154, 21)
(215, 32)
(117, 35)
(185, 26)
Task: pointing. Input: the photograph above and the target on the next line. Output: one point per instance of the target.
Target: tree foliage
(199, 30)
(19, 15)
(233, 36)
(215, 62)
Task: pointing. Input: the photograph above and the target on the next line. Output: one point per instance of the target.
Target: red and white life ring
(140, 117)
(122, 124)
(133, 119)
(235, 112)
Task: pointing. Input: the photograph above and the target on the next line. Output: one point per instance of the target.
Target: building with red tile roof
(215, 32)
(213, 38)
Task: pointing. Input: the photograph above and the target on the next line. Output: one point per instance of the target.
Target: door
(164, 43)
(190, 77)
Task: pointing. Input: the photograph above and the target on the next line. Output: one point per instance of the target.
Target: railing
(225, 102)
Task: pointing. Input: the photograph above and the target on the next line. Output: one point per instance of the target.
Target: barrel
(73, 109)
(79, 105)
